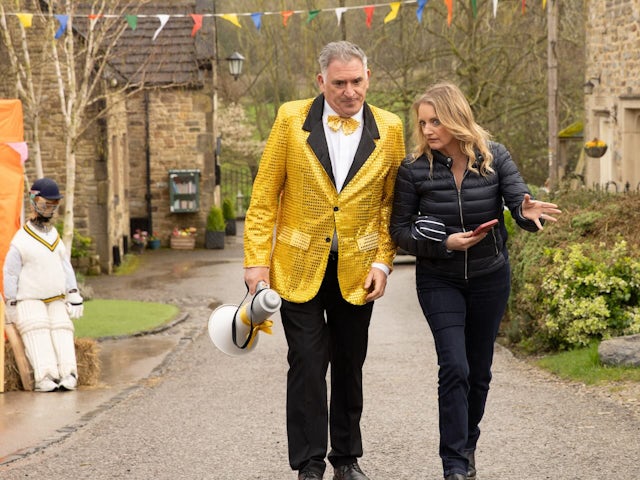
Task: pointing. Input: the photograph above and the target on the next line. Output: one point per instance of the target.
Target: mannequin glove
(427, 227)
(10, 311)
(75, 305)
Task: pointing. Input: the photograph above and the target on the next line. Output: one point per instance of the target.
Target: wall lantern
(235, 64)
(591, 84)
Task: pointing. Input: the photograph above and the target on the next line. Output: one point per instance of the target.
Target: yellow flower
(596, 142)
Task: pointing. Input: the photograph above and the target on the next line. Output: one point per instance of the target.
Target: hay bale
(86, 357)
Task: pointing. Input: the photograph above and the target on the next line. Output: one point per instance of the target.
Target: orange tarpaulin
(11, 174)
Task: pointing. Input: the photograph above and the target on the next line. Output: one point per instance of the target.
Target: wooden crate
(183, 242)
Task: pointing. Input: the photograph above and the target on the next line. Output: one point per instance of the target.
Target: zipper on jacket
(466, 252)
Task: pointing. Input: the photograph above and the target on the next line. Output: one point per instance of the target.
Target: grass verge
(583, 365)
(105, 318)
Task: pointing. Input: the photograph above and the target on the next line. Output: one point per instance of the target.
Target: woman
(456, 180)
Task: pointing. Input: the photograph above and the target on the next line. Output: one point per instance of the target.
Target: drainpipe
(147, 148)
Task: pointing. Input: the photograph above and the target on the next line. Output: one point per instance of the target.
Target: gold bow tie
(349, 125)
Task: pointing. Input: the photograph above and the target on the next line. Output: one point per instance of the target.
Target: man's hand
(75, 305)
(255, 275)
(375, 284)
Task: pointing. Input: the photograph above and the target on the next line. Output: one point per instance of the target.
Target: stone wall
(613, 109)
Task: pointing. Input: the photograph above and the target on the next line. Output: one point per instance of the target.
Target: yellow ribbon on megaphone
(262, 327)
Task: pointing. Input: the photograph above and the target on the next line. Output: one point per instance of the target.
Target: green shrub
(215, 219)
(80, 246)
(228, 209)
(584, 292)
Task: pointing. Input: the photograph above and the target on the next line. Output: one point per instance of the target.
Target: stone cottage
(612, 93)
(149, 163)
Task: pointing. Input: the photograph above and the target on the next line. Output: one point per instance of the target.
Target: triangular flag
(495, 8)
(26, 19)
(231, 17)
(132, 20)
(474, 6)
(313, 14)
(369, 11)
(197, 23)
(339, 12)
(524, 6)
(95, 16)
(449, 4)
(544, 4)
(63, 19)
(421, 4)
(285, 16)
(163, 21)
(257, 19)
(395, 6)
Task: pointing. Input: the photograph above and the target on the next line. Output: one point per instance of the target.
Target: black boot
(471, 470)
(455, 476)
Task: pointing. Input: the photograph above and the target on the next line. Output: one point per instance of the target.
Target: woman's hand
(463, 240)
(536, 210)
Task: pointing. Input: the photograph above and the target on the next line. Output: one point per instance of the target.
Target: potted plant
(139, 241)
(153, 241)
(229, 215)
(595, 148)
(215, 232)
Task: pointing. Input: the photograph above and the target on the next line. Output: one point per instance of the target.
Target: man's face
(345, 86)
(46, 206)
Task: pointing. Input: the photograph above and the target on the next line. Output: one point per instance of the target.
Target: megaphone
(234, 329)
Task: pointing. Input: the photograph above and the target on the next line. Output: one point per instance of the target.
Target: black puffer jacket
(420, 191)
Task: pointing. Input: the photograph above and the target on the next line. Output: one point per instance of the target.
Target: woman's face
(437, 136)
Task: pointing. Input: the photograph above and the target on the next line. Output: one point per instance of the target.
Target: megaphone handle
(233, 323)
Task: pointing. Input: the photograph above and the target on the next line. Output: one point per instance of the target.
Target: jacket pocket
(368, 242)
(295, 238)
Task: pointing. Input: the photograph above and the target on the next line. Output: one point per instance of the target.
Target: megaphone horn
(234, 329)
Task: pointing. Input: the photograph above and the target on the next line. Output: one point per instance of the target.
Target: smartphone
(485, 227)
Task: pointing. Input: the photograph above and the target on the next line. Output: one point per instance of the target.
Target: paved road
(203, 415)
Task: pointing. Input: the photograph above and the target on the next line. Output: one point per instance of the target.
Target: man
(327, 188)
(42, 294)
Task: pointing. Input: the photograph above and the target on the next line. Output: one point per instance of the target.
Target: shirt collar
(330, 111)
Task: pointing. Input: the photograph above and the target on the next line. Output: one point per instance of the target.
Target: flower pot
(213, 240)
(137, 248)
(154, 244)
(595, 152)
(230, 228)
(183, 242)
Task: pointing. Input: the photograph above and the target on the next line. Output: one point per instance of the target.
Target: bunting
(197, 23)
(395, 8)
(26, 19)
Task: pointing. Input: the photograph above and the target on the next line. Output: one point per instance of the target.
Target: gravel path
(204, 415)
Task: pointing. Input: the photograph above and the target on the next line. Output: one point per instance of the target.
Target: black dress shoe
(309, 476)
(471, 471)
(349, 472)
(456, 476)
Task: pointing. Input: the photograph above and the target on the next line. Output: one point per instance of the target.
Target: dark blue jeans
(464, 316)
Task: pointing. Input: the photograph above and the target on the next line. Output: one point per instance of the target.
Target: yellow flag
(26, 19)
(233, 18)
(395, 6)
(544, 4)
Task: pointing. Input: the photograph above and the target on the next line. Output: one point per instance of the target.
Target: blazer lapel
(316, 140)
(367, 143)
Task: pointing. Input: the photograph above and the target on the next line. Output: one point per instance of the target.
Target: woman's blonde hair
(454, 113)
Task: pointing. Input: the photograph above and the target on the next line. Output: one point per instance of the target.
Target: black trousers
(464, 317)
(326, 330)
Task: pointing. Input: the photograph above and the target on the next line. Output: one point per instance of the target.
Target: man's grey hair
(343, 51)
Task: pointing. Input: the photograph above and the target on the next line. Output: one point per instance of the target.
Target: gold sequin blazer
(295, 192)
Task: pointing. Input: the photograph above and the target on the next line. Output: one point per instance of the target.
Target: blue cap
(45, 188)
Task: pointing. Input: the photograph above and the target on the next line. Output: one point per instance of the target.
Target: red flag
(197, 23)
(369, 11)
(449, 11)
(285, 16)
